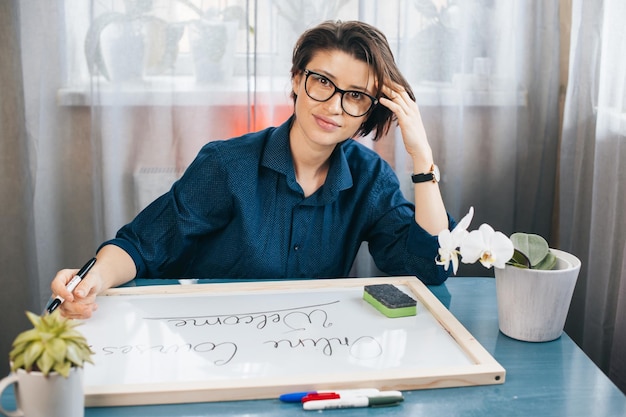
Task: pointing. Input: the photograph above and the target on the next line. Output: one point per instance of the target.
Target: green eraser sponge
(390, 300)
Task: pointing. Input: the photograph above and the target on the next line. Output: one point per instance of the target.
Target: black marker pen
(72, 284)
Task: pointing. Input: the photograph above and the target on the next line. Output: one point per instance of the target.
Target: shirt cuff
(127, 247)
(422, 243)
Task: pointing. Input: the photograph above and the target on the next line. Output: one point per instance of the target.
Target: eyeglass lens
(320, 88)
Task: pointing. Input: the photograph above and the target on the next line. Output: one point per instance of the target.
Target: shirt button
(296, 247)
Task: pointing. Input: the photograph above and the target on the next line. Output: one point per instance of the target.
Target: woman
(296, 200)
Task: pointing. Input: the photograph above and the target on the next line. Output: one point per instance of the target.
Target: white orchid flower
(449, 242)
(487, 246)
(447, 251)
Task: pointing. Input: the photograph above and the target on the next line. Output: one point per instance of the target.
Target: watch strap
(433, 175)
(424, 177)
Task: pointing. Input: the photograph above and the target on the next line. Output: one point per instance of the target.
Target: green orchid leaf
(533, 246)
(547, 263)
(519, 260)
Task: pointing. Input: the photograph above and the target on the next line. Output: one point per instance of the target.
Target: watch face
(436, 174)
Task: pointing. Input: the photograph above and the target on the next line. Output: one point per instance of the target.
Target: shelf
(184, 91)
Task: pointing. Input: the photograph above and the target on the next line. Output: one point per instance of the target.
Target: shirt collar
(277, 156)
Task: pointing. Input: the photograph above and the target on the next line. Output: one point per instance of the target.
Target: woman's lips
(326, 123)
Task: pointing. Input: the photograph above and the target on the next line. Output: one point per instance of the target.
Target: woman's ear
(295, 82)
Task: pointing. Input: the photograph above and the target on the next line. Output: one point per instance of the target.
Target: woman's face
(325, 123)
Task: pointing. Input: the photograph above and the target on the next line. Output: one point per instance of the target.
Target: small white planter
(123, 51)
(533, 304)
(213, 48)
(37, 395)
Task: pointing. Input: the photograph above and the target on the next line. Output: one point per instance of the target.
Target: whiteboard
(217, 342)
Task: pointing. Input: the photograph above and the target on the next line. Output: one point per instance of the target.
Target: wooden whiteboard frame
(484, 371)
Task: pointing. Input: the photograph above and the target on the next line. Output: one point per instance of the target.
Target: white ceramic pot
(213, 45)
(37, 395)
(533, 304)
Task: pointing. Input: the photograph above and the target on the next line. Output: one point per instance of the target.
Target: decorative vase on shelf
(123, 52)
(213, 46)
(532, 303)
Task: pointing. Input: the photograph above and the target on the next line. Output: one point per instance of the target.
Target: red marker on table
(296, 397)
(316, 396)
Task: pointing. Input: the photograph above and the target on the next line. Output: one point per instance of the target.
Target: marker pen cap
(384, 400)
(320, 396)
(386, 394)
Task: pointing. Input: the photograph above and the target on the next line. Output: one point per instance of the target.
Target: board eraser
(390, 300)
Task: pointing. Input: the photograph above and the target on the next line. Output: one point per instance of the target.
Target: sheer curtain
(18, 255)
(593, 181)
(110, 100)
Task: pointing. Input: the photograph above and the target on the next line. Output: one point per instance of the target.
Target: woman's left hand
(411, 126)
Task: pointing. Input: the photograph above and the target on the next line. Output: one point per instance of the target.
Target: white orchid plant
(492, 248)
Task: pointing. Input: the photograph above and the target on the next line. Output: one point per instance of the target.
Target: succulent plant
(531, 251)
(52, 345)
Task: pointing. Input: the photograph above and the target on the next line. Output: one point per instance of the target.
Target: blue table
(543, 379)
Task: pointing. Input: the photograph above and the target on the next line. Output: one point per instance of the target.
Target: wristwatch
(433, 175)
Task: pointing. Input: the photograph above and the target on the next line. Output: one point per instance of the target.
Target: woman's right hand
(113, 268)
(81, 303)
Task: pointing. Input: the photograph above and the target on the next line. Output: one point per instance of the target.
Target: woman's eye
(356, 96)
(323, 81)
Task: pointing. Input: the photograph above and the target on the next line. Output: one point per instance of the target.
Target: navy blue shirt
(238, 212)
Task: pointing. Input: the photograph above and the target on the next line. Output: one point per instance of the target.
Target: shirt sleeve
(398, 245)
(162, 239)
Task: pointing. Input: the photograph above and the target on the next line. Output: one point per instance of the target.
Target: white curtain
(593, 181)
(109, 105)
(18, 256)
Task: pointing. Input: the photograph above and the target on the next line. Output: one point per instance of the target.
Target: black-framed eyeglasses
(320, 88)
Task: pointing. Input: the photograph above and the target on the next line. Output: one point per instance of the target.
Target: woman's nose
(333, 104)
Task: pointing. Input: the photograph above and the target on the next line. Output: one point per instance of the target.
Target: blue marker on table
(296, 397)
(58, 300)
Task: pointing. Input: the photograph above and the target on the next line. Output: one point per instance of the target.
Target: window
(177, 51)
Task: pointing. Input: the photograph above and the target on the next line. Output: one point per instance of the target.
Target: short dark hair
(365, 43)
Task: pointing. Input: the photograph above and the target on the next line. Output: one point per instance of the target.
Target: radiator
(151, 182)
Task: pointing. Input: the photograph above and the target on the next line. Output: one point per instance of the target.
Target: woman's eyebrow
(334, 80)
